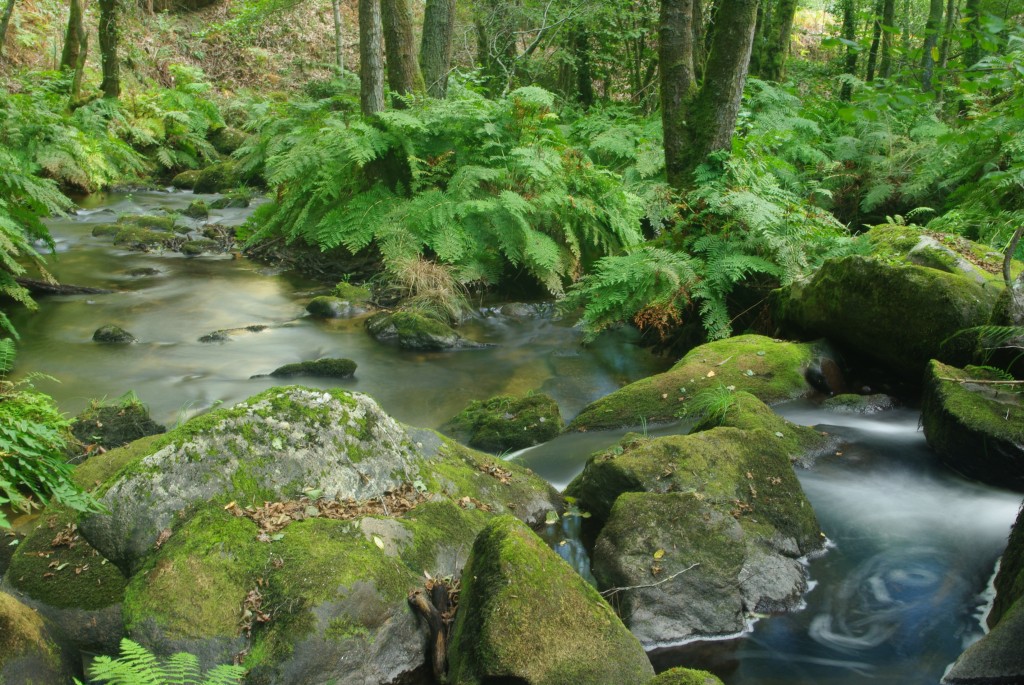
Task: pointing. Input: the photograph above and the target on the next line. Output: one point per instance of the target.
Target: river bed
(913, 546)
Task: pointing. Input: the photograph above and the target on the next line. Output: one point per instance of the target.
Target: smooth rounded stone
(977, 429)
(217, 178)
(526, 616)
(186, 180)
(898, 315)
(772, 370)
(326, 368)
(27, 655)
(507, 423)
(330, 307)
(412, 331)
(860, 404)
(57, 572)
(197, 209)
(111, 334)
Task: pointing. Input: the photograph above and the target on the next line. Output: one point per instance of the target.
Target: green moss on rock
(1009, 581)
(69, 574)
(196, 247)
(352, 293)
(217, 178)
(156, 222)
(110, 425)
(227, 139)
(413, 331)
(327, 368)
(769, 369)
(143, 238)
(685, 676)
(27, 656)
(197, 209)
(975, 428)
(186, 180)
(525, 615)
(330, 307)
(507, 423)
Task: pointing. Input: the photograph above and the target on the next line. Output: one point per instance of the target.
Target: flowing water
(913, 546)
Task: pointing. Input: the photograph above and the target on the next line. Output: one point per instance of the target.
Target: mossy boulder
(238, 198)
(685, 676)
(331, 307)
(156, 222)
(186, 180)
(58, 573)
(772, 370)
(144, 239)
(998, 657)
(27, 656)
(357, 294)
(976, 428)
(217, 178)
(525, 616)
(280, 443)
(111, 334)
(720, 512)
(897, 315)
(226, 139)
(194, 248)
(110, 425)
(507, 423)
(413, 331)
(326, 368)
(197, 209)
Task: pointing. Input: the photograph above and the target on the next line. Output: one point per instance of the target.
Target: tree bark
(436, 46)
(371, 60)
(931, 39)
(584, 76)
(404, 76)
(338, 36)
(73, 37)
(108, 30)
(888, 19)
(876, 37)
(5, 21)
(850, 34)
(678, 84)
(775, 46)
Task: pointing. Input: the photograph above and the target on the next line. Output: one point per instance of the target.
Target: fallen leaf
(659, 554)
(377, 541)
(711, 374)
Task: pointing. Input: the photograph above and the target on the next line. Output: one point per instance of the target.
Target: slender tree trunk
(760, 29)
(947, 39)
(775, 47)
(973, 52)
(888, 19)
(404, 76)
(436, 46)
(678, 84)
(850, 34)
(5, 21)
(700, 54)
(876, 38)
(108, 30)
(371, 60)
(584, 76)
(929, 52)
(76, 80)
(73, 37)
(338, 36)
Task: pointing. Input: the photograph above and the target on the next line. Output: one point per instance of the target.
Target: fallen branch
(615, 590)
(979, 381)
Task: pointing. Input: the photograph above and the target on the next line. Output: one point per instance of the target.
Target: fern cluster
(138, 666)
(485, 186)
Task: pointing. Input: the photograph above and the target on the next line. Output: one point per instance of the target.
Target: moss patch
(68, 574)
(685, 676)
(525, 615)
(439, 529)
(1010, 579)
(769, 369)
(21, 631)
(186, 180)
(507, 423)
(358, 294)
(196, 585)
(100, 468)
(217, 178)
(328, 368)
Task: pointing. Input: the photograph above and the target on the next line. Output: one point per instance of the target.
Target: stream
(913, 547)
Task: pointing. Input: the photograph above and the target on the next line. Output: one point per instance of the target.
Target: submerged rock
(859, 404)
(897, 315)
(27, 656)
(111, 334)
(719, 515)
(507, 423)
(327, 368)
(772, 370)
(976, 429)
(525, 616)
(330, 307)
(414, 331)
(997, 657)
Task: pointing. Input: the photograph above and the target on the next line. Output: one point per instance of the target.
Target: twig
(615, 590)
(979, 381)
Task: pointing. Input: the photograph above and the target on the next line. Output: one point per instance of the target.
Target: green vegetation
(136, 665)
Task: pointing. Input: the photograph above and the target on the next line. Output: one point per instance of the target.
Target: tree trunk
(700, 54)
(108, 30)
(876, 37)
(436, 46)
(678, 84)
(888, 18)
(73, 37)
(371, 61)
(338, 36)
(973, 52)
(584, 76)
(5, 21)
(775, 46)
(760, 29)
(947, 39)
(76, 80)
(850, 34)
(931, 39)
(404, 76)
